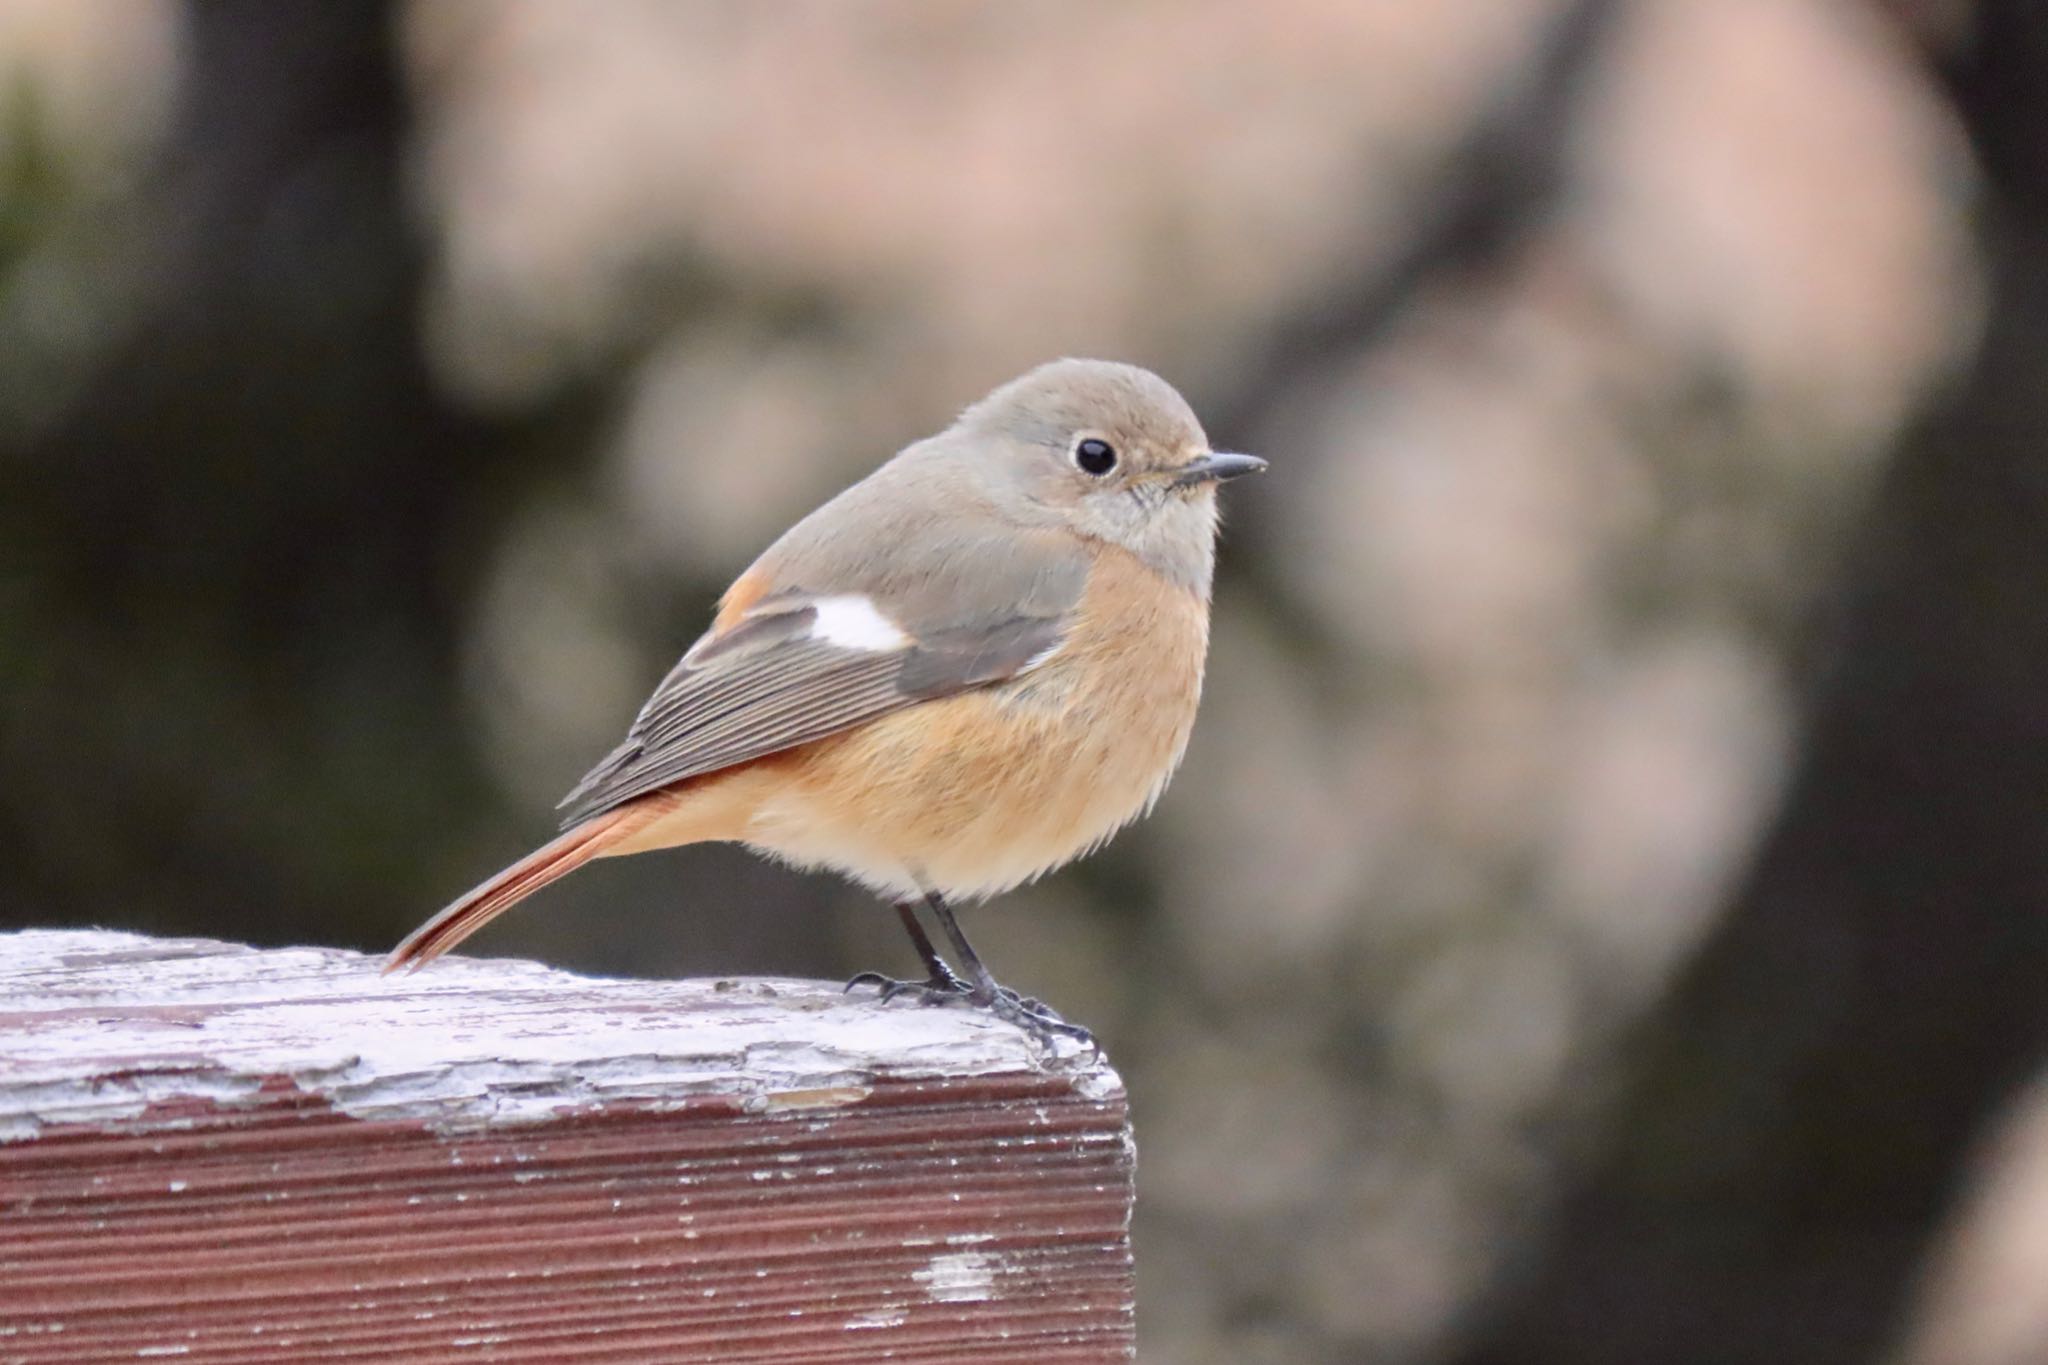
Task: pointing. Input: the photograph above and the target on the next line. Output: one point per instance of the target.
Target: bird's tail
(481, 904)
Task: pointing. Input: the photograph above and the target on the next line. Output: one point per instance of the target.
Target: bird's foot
(1033, 1015)
(1029, 1013)
(941, 988)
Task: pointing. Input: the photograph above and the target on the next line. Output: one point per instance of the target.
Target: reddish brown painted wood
(214, 1153)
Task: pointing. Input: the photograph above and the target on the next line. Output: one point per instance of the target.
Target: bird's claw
(937, 991)
(1034, 1016)
(1026, 1012)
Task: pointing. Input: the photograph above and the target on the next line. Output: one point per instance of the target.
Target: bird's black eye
(1095, 456)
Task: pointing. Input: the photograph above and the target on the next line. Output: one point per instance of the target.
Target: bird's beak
(1215, 467)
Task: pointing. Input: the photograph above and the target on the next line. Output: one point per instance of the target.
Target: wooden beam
(216, 1153)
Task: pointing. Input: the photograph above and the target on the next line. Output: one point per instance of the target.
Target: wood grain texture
(214, 1153)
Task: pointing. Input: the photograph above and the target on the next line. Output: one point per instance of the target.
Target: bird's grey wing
(803, 663)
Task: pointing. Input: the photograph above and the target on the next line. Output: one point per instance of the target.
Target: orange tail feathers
(481, 904)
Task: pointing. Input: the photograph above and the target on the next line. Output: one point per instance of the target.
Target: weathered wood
(214, 1153)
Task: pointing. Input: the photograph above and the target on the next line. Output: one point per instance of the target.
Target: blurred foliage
(392, 386)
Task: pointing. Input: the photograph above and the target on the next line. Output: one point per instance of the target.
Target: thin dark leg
(1034, 1016)
(943, 913)
(939, 984)
(935, 966)
(980, 989)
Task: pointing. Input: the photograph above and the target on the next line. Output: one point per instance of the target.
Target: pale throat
(1176, 538)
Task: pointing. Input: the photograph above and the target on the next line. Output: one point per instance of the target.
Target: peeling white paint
(1098, 1083)
(109, 1027)
(961, 1277)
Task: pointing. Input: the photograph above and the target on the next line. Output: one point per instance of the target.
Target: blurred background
(1601, 918)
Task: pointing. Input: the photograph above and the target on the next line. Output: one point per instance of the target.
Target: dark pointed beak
(1215, 467)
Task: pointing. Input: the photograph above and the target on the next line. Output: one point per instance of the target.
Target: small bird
(971, 667)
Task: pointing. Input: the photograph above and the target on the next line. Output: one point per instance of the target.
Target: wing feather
(978, 610)
(727, 707)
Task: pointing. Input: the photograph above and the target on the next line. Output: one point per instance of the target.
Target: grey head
(1106, 450)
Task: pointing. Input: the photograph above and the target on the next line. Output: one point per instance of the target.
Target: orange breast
(976, 793)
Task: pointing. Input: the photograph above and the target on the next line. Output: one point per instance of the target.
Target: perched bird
(971, 667)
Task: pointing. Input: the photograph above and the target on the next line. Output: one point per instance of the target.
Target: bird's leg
(940, 982)
(1033, 1016)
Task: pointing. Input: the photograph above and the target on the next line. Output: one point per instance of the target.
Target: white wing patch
(1041, 656)
(854, 622)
